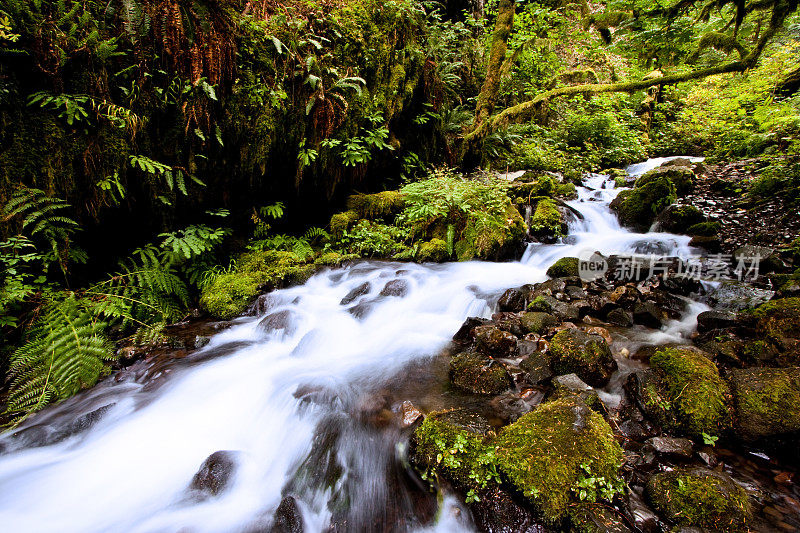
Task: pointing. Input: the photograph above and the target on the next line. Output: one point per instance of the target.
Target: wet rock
(551, 287)
(201, 341)
(596, 518)
(708, 320)
(564, 267)
(510, 322)
(571, 383)
(465, 334)
(410, 414)
(537, 367)
(767, 401)
(624, 296)
(699, 497)
(47, 435)
(215, 474)
(479, 374)
(279, 321)
(602, 332)
(588, 356)
(642, 516)
(736, 296)
(494, 341)
(513, 300)
(680, 176)
(710, 244)
(359, 291)
(263, 304)
(777, 327)
(648, 314)
(671, 446)
(562, 310)
(498, 511)
(620, 317)
(288, 517)
(682, 286)
(396, 287)
(537, 322)
(768, 259)
(638, 207)
(511, 405)
(679, 218)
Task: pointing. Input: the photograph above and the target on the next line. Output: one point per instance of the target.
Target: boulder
(777, 326)
(638, 207)
(478, 374)
(588, 356)
(699, 497)
(355, 293)
(767, 401)
(564, 267)
(465, 333)
(679, 218)
(288, 517)
(283, 321)
(548, 451)
(513, 300)
(596, 518)
(494, 341)
(708, 320)
(681, 177)
(538, 322)
(620, 317)
(537, 367)
(215, 474)
(648, 314)
(737, 295)
(670, 446)
(396, 288)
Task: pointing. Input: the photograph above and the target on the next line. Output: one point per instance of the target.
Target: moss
(681, 177)
(678, 218)
(638, 207)
(566, 190)
(341, 222)
(546, 220)
(778, 318)
(229, 294)
(378, 205)
(549, 453)
(491, 240)
(767, 401)
(588, 356)
(537, 322)
(704, 229)
(540, 304)
(690, 388)
(564, 267)
(699, 498)
(433, 251)
(478, 374)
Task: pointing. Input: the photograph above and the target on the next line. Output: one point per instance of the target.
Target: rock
(777, 324)
(279, 321)
(564, 267)
(433, 251)
(602, 332)
(699, 497)
(625, 296)
(510, 322)
(708, 320)
(679, 218)
(215, 474)
(571, 383)
(537, 367)
(587, 518)
(494, 341)
(677, 162)
(767, 401)
(513, 300)
(648, 314)
(681, 177)
(547, 451)
(768, 259)
(497, 510)
(620, 317)
(575, 293)
(409, 413)
(464, 335)
(538, 322)
(672, 446)
(588, 356)
(396, 287)
(288, 517)
(638, 207)
(359, 291)
(562, 310)
(263, 303)
(710, 244)
(736, 296)
(684, 392)
(200, 341)
(479, 374)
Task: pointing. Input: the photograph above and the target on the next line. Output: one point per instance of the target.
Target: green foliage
(373, 239)
(173, 177)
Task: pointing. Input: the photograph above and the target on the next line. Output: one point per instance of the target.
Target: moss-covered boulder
(686, 393)
(563, 268)
(704, 229)
(767, 401)
(433, 251)
(699, 497)
(454, 445)
(588, 356)
(547, 223)
(229, 294)
(537, 322)
(681, 177)
(679, 218)
(639, 207)
(479, 374)
(379, 205)
(777, 322)
(341, 222)
(559, 454)
(596, 518)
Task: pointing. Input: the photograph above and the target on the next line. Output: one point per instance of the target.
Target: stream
(303, 399)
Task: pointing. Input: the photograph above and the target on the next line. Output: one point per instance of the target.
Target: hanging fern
(64, 352)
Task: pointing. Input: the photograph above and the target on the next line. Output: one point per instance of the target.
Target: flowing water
(300, 402)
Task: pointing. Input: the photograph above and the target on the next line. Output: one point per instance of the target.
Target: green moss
(546, 220)
(564, 267)
(540, 304)
(767, 401)
(778, 318)
(565, 190)
(537, 322)
(690, 388)
(699, 498)
(681, 177)
(478, 374)
(230, 293)
(378, 205)
(550, 453)
(588, 356)
(638, 207)
(341, 222)
(679, 218)
(433, 251)
(704, 229)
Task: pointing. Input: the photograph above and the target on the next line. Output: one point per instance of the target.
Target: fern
(64, 352)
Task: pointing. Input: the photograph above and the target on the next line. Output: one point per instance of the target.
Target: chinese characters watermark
(635, 267)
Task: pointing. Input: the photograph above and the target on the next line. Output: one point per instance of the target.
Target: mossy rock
(229, 294)
(564, 268)
(704, 229)
(453, 444)
(681, 177)
(547, 222)
(778, 324)
(492, 241)
(537, 322)
(588, 356)
(379, 205)
(341, 222)
(688, 394)
(767, 401)
(478, 374)
(699, 497)
(679, 218)
(638, 207)
(596, 518)
(433, 251)
(548, 452)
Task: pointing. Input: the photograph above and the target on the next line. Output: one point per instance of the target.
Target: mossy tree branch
(497, 55)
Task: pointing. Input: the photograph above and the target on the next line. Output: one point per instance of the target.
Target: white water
(130, 472)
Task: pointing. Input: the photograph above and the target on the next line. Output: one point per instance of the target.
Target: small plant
(709, 440)
(590, 487)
